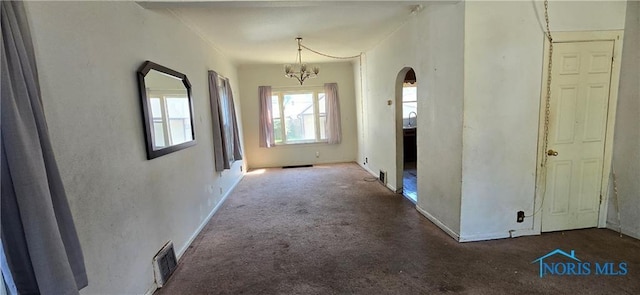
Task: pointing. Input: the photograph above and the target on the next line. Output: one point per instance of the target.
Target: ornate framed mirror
(167, 109)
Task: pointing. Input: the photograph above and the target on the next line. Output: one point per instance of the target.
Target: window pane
(275, 107)
(156, 109)
(408, 107)
(322, 103)
(226, 116)
(158, 134)
(299, 117)
(178, 107)
(277, 129)
(179, 117)
(323, 124)
(179, 131)
(409, 93)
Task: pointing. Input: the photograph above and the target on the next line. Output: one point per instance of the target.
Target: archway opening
(406, 133)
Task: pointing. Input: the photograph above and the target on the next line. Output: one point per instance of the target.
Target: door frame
(398, 121)
(581, 36)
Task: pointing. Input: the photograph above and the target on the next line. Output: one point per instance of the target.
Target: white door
(580, 84)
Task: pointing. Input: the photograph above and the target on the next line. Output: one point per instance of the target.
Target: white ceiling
(251, 32)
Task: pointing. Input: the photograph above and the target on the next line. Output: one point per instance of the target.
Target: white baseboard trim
(439, 224)
(524, 232)
(206, 220)
(152, 289)
(367, 169)
(484, 237)
(387, 185)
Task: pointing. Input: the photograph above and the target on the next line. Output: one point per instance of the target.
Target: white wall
(431, 43)
(626, 153)
(125, 207)
(503, 71)
(253, 76)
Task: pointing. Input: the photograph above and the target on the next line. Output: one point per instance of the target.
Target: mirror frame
(146, 111)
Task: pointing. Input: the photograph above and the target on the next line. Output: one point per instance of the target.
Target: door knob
(552, 153)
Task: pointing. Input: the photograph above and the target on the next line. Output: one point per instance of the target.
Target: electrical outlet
(317, 154)
(221, 190)
(520, 217)
(366, 160)
(240, 168)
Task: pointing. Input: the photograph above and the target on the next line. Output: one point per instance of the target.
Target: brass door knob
(552, 153)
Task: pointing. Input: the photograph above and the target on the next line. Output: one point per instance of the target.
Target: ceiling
(253, 32)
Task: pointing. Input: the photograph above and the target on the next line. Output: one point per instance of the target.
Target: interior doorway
(580, 131)
(406, 133)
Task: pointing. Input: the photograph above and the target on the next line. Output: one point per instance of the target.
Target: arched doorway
(406, 133)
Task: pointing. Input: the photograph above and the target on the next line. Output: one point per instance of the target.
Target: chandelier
(300, 71)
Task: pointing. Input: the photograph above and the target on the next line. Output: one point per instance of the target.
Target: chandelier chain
(615, 194)
(329, 56)
(547, 112)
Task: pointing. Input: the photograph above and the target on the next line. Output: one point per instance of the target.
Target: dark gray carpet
(325, 230)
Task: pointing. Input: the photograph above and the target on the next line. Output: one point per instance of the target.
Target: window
(409, 100)
(226, 138)
(171, 118)
(226, 117)
(299, 116)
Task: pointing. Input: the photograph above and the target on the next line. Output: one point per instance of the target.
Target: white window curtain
(333, 126)
(39, 239)
(226, 138)
(267, 137)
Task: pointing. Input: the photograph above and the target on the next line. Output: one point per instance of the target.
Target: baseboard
(484, 237)
(152, 289)
(208, 218)
(367, 169)
(614, 226)
(215, 209)
(439, 224)
(387, 185)
(392, 188)
(524, 232)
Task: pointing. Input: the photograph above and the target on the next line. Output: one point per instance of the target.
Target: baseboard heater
(296, 166)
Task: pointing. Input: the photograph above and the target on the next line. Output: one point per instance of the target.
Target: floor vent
(297, 166)
(164, 263)
(383, 177)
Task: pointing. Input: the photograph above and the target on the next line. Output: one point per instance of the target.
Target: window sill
(303, 143)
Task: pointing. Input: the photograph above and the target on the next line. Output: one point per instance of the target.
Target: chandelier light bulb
(300, 70)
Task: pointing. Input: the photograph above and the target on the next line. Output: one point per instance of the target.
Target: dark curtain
(38, 234)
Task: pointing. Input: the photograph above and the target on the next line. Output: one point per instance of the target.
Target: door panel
(560, 174)
(577, 128)
(565, 130)
(596, 112)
